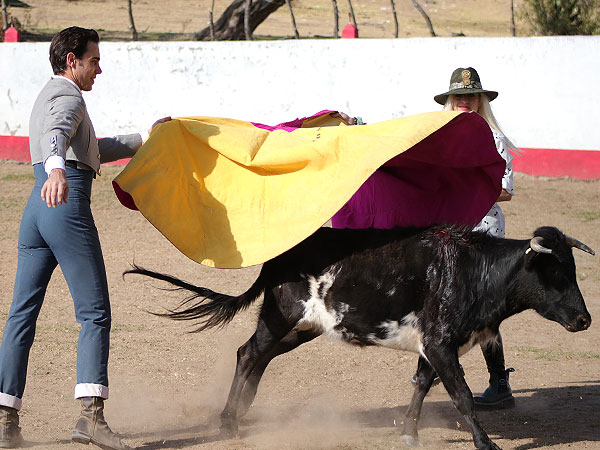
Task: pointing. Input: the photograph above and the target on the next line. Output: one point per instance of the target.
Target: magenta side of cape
(292, 124)
(452, 176)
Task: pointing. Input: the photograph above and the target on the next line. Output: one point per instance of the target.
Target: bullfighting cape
(231, 194)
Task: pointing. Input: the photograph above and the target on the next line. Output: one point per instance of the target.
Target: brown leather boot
(10, 432)
(91, 426)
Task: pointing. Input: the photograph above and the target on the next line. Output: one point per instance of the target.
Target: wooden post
(211, 23)
(247, 21)
(425, 16)
(395, 18)
(289, 3)
(336, 19)
(134, 34)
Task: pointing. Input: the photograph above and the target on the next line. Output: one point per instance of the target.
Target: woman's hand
(504, 196)
(347, 119)
(164, 119)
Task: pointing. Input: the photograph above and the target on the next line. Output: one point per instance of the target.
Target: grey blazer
(60, 125)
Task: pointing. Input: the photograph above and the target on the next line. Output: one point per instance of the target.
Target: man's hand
(56, 189)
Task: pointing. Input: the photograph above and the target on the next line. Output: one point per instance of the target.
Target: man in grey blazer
(57, 228)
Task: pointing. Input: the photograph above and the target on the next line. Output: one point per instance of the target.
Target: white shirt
(494, 223)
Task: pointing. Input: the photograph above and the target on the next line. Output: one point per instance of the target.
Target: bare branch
(336, 19)
(425, 16)
(513, 28)
(395, 18)
(211, 21)
(352, 16)
(4, 16)
(134, 33)
(289, 3)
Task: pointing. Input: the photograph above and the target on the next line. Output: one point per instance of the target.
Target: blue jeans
(65, 235)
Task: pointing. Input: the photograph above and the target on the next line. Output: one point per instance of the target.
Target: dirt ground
(168, 386)
(314, 18)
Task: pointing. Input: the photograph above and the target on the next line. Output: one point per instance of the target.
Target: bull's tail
(212, 308)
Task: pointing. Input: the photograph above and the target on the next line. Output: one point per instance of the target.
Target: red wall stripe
(543, 162)
(17, 149)
(580, 164)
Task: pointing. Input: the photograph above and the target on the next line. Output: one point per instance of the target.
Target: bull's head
(550, 256)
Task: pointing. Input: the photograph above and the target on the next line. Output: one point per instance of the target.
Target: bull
(437, 291)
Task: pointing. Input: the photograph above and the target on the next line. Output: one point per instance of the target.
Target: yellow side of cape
(229, 194)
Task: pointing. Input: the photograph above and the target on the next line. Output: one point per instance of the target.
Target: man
(58, 228)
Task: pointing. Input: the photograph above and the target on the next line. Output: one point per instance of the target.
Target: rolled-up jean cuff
(91, 390)
(11, 401)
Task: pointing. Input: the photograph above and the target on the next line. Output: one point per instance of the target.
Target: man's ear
(71, 60)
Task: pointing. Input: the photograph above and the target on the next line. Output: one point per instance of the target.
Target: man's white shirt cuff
(54, 162)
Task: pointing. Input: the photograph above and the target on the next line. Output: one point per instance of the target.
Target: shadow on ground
(546, 416)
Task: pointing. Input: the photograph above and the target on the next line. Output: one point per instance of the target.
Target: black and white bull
(436, 291)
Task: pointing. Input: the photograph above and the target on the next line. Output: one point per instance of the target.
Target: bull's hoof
(229, 430)
(489, 446)
(411, 441)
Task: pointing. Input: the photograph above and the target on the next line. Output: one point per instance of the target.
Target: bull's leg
(260, 344)
(424, 380)
(272, 328)
(292, 340)
(445, 363)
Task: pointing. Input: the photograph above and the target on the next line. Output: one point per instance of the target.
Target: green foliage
(562, 17)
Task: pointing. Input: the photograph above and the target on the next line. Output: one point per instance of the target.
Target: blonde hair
(485, 111)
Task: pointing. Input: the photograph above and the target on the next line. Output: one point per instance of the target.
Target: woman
(466, 94)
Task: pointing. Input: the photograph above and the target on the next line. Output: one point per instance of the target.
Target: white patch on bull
(317, 316)
(391, 292)
(405, 335)
(483, 337)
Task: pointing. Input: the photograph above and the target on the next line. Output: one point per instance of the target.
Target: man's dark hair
(72, 39)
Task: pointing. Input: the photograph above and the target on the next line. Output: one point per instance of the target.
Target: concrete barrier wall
(548, 85)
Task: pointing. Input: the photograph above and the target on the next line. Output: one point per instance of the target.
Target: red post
(350, 32)
(11, 35)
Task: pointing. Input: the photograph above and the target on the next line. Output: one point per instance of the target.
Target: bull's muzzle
(581, 322)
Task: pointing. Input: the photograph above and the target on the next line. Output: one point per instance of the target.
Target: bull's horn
(536, 245)
(578, 244)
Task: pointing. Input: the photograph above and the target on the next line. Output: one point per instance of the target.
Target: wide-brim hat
(464, 81)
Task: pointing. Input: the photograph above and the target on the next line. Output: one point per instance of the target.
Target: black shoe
(498, 395)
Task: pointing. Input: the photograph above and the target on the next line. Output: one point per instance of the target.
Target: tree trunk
(425, 16)
(134, 34)
(396, 30)
(513, 28)
(230, 26)
(289, 3)
(247, 31)
(4, 16)
(336, 19)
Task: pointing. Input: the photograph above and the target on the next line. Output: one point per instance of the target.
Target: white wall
(548, 85)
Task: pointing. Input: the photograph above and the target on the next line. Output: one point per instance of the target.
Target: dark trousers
(493, 353)
(65, 236)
